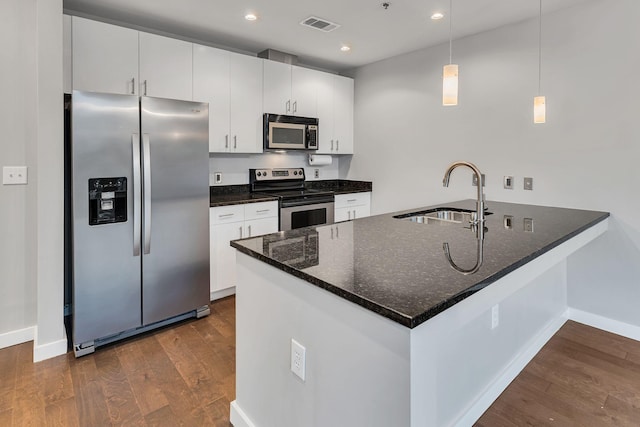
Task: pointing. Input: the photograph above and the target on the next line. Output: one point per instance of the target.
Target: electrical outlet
(508, 222)
(12, 175)
(474, 180)
(528, 225)
(495, 316)
(316, 173)
(217, 177)
(508, 183)
(298, 359)
(528, 183)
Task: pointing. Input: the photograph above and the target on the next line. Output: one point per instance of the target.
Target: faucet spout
(480, 197)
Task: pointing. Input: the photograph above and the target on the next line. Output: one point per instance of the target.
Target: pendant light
(450, 71)
(539, 107)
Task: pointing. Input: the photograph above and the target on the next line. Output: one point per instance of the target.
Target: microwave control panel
(312, 137)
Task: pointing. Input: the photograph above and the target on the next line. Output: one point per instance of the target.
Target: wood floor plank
(219, 412)
(163, 417)
(90, 401)
(623, 414)
(6, 417)
(55, 381)
(62, 413)
(8, 373)
(121, 403)
(595, 338)
(28, 403)
(141, 377)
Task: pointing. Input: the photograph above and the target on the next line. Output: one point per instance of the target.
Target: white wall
(31, 216)
(585, 156)
(235, 167)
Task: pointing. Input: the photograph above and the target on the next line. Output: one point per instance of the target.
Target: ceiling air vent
(319, 24)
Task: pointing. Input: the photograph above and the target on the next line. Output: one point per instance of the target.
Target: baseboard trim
(223, 293)
(606, 324)
(17, 337)
(48, 350)
(511, 372)
(238, 418)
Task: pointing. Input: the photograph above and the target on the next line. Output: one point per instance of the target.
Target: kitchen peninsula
(393, 332)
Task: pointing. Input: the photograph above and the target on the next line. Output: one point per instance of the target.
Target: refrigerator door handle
(146, 207)
(137, 192)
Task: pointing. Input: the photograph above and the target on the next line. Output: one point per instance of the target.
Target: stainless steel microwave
(290, 132)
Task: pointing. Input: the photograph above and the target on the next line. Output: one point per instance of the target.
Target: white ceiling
(373, 32)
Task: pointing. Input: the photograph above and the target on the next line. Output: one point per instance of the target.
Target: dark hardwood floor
(179, 375)
(185, 375)
(582, 377)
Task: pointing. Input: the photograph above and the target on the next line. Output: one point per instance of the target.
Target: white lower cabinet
(352, 206)
(229, 223)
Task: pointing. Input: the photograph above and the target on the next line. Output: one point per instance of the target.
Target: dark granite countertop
(222, 195)
(398, 269)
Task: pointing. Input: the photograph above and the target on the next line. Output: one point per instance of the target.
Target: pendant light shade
(539, 110)
(539, 102)
(450, 84)
(450, 72)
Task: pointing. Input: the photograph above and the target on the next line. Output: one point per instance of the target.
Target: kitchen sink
(441, 216)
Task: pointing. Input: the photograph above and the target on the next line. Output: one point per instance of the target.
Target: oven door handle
(306, 202)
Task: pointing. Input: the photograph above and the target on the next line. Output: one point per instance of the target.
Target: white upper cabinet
(335, 114)
(165, 67)
(105, 57)
(289, 89)
(245, 81)
(232, 85)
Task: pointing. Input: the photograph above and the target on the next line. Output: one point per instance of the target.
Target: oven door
(287, 136)
(292, 217)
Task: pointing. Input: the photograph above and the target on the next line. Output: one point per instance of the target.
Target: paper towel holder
(319, 159)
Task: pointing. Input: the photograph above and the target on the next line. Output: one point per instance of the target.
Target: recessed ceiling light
(437, 16)
(250, 17)
(345, 48)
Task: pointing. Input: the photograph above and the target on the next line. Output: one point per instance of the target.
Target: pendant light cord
(540, 48)
(451, 27)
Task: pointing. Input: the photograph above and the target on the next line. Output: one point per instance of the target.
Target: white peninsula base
(363, 369)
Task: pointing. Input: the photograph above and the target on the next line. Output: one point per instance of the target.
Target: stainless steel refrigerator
(140, 212)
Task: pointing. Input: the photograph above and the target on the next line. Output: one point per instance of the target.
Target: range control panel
(292, 174)
(107, 200)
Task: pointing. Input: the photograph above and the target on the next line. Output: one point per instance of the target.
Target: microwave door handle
(137, 189)
(146, 207)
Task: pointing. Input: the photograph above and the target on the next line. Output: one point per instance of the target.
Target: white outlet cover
(298, 359)
(12, 175)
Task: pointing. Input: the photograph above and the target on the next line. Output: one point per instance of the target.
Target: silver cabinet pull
(351, 200)
(288, 105)
(146, 170)
(226, 141)
(235, 141)
(354, 214)
(295, 106)
(226, 215)
(133, 85)
(145, 87)
(240, 231)
(349, 213)
(331, 233)
(137, 192)
(337, 145)
(263, 211)
(337, 232)
(249, 231)
(332, 145)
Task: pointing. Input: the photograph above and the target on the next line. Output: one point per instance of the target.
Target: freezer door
(106, 271)
(175, 242)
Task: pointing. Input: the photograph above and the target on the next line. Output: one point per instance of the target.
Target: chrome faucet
(479, 219)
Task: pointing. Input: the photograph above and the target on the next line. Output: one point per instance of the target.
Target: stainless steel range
(299, 206)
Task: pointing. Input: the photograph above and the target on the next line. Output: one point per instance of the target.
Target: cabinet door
(342, 214)
(67, 65)
(343, 114)
(324, 104)
(165, 67)
(258, 227)
(105, 57)
(304, 82)
(277, 87)
(223, 256)
(211, 84)
(245, 80)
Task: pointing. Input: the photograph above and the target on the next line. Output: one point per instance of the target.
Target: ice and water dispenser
(107, 200)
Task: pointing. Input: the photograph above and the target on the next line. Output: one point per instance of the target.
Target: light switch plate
(474, 180)
(12, 175)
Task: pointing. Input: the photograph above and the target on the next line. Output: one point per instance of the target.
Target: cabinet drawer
(352, 199)
(226, 214)
(260, 210)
